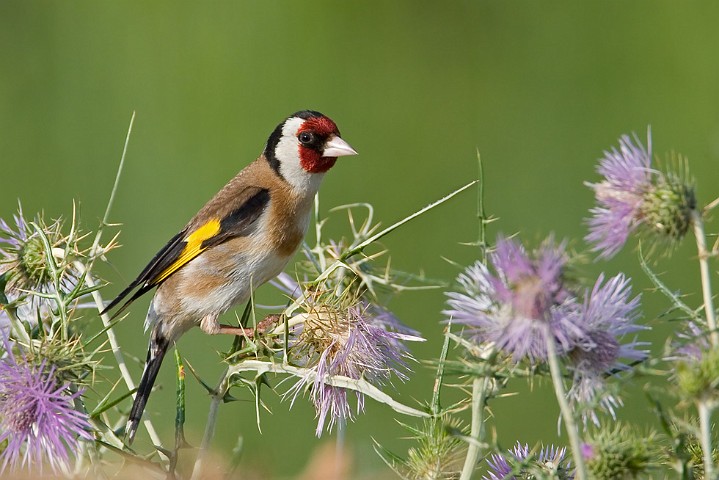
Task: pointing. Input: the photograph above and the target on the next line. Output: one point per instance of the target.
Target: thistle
(437, 454)
(698, 377)
(633, 194)
(520, 463)
(513, 303)
(667, 208)
(349, 337)
(608, 314)
(37, 416)
(36, 263)
(621, 452)
(521, 295)
(349, 342)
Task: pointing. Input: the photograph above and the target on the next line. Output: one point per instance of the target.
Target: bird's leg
(211, 326)
(231, 330)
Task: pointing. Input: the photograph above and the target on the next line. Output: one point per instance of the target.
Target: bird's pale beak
(336, 147)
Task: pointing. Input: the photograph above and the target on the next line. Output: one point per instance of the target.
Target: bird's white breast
(252, 269)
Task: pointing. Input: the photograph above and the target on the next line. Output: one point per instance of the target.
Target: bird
(241, 238)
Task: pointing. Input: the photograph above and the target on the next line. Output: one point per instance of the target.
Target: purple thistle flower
(359, 341)
(524, 297)
(13, 238)
(354, 345)
(634, 195)
(518, 463)
(588, 451)
(627, 178)
(692, 344)
(696, 367)
(37, 418)
(608, 314)
(499, 466)
(514, 306)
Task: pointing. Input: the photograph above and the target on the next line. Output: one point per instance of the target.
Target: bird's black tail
(155, 355)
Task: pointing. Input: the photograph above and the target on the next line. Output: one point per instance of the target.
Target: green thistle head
(620, 452)
(27, 250)
(32, 262)
(39, 265)
(437, 454)
(635, 197)
(695, 456)
(72, 362)
(668, 205)
(697, 378)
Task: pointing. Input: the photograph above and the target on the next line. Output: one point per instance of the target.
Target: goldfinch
(243, 237)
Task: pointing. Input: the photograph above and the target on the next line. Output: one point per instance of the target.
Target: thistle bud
(667, 207)
(620, 452)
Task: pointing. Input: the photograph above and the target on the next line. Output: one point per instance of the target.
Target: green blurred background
(539, 88)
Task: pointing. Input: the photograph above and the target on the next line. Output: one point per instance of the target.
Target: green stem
(567, 415)
(711, 205)
(359, 247)
(479, 398)
(56, 275)
(482, 233)
(318, 235)
(705, 414)
(357, 385)
(480, 385)
(95, 252)
(85, 447)
(436, 407)
(705, 276)
(216, 399)
(115, 347)
(16, 325)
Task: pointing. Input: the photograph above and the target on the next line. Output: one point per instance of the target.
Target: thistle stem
(356, 385)
(436, 391)
(569, 424)
(705, 277)
(318, 234)
(95, 252)
(711, 205)
(705, 414)
(479, 398)
(216, 399)
(115, 347)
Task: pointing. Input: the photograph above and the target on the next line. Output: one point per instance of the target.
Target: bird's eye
(306, 138)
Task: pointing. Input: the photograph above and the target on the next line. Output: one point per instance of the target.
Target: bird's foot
(266, 325)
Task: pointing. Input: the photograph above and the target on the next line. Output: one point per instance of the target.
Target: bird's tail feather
(155, 355)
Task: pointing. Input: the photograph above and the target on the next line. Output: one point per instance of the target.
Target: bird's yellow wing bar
(193, 247)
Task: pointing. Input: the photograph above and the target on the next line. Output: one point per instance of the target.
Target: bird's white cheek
(288, 154)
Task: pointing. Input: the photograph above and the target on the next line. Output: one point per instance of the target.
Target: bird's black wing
(192, 241)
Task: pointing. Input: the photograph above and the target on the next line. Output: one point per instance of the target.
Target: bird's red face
(303, 147)
(316, 137)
